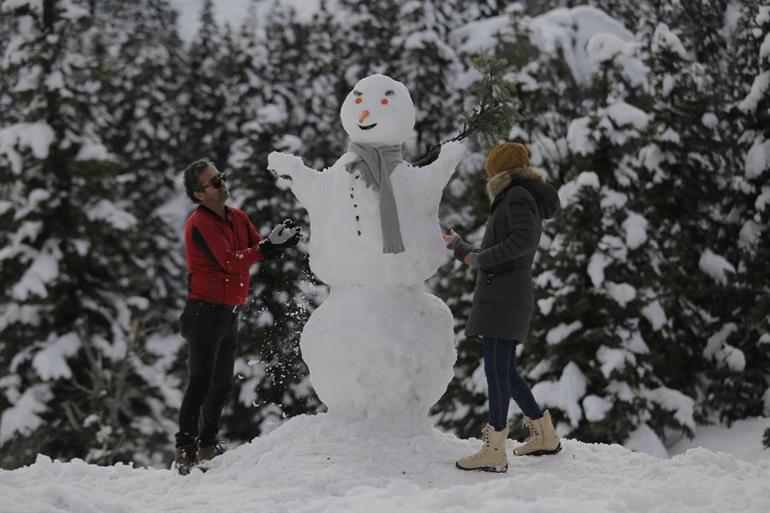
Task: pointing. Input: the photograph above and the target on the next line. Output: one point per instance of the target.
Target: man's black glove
(285, 235)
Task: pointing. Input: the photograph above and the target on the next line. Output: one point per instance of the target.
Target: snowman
(379, 348)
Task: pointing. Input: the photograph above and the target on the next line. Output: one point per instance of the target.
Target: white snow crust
(758, 91)
(719, 350)
(37, 137)
(654, 313)
(599, 261)
(621, 293)
(741, 440)
(715, 266)
(644, 439)
(635, 226)
(318, 464)
(569, 30)
(758, 158)
(565, 393)
(559, 333)
(664, 39)
(569, 190)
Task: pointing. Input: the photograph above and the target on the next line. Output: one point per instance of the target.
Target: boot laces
(532, 427)
(486, 438)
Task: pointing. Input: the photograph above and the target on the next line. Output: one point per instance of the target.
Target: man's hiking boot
(491, 457)
(543, 438)
(185, 459)
(210, 452)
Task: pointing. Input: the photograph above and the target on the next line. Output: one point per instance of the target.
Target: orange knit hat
(506, 156)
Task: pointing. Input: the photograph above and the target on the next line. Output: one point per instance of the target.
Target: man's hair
(192, 174)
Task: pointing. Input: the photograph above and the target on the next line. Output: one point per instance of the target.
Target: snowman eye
(356, 92)
(390, 92)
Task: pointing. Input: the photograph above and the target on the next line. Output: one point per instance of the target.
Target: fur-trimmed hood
(546, 196)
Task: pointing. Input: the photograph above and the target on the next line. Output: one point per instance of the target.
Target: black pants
(211, 332)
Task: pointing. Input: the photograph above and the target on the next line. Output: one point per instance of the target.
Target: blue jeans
(504, 382)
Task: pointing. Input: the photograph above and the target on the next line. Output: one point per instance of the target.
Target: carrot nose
(363, 116)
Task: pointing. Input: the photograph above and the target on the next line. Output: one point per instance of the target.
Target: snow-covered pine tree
(272, 379)
(587, 337)
(5, 85)
(371, 30)
(76, 385)
(550, 93)
(746, 339)
(683, 197)
(139, 66)
(429, 66)
(204, 130)
(321, 138)
(627, 13)
(702, 26)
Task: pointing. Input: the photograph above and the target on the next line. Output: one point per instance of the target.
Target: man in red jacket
(221, 245)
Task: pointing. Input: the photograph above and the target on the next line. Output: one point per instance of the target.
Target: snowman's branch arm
(469, 126)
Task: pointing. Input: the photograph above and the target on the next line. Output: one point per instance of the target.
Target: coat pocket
(508, 288)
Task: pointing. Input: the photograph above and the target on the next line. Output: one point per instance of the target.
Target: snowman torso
(346, 231)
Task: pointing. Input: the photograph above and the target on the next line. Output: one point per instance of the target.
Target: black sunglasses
(215, 182)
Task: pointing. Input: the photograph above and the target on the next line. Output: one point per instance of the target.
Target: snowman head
(378, 111)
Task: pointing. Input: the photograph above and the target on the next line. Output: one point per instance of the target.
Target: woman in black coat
(503, 301)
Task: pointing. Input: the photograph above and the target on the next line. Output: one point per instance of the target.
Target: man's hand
(285, 235)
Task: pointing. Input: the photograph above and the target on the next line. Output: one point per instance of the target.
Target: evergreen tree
(683, 162)
(272, 378)
(372, 28)
(594, 275)
(745, 346)
(321, 137)
(427, 65)
(204, 131)
(139, 58)
(5, 85)
(78, 385)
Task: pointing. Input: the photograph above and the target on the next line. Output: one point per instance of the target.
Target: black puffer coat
(504, 299)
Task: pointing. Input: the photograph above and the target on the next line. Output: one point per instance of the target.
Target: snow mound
(318, 464)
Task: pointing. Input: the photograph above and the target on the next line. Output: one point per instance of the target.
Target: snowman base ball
(381, 355)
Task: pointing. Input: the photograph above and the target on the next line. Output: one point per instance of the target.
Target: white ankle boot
(543, 438)
(491, 457)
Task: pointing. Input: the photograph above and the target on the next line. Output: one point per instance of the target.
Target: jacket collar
(217, 216)
(501, 182)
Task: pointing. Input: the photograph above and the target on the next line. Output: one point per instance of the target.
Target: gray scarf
(376, 164)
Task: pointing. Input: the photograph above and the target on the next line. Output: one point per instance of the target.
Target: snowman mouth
(367, 127)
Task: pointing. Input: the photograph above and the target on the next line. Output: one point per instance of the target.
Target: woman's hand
(449, 237)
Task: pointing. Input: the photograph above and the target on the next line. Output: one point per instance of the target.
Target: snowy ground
(743, 440)
(317, 464)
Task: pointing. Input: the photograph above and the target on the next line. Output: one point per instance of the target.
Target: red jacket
(219, 253)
